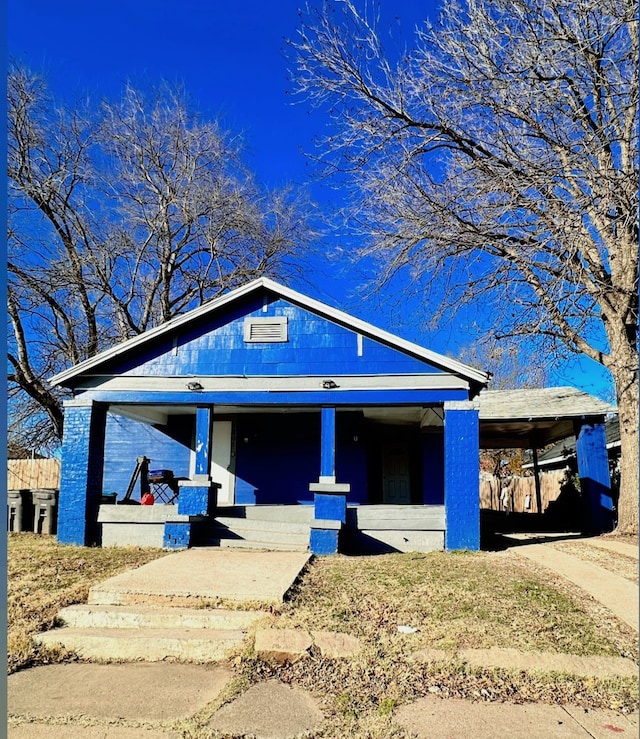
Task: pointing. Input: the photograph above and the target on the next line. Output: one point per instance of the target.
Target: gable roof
(265, 284)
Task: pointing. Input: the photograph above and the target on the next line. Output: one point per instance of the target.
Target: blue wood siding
(315, 346)
(126, 439)
(433, 468)
(278, 455)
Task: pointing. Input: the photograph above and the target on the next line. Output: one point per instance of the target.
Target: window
(267, 330)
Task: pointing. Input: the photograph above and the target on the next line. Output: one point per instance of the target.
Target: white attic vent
(267, 330)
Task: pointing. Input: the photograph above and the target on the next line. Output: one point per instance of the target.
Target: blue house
(265, 397)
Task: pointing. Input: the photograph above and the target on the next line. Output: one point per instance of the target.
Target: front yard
(443, 601)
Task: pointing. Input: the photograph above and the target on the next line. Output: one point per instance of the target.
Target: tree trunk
(626, 380)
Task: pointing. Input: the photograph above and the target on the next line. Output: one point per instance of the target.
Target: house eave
(214, 383)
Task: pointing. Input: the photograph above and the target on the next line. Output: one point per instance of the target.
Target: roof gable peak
(265, 283)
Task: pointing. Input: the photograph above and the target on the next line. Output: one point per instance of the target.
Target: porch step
(271, 546)
(156, 617)
(148, 644)
(261, 528)
(150, 633)
(282, 513)
(391, 528)
(397, 518)
(268, 528)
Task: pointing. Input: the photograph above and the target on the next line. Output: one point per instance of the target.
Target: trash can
(19, 510)
(45, 513)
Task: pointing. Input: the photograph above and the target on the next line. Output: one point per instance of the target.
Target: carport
(533, 419)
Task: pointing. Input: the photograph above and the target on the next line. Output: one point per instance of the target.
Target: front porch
(360, 478)
(368, 529)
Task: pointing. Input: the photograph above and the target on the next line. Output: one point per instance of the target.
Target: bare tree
(500, 153)
(119, 219)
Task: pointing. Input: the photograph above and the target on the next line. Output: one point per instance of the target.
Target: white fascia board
(276, 383)
(338, 316)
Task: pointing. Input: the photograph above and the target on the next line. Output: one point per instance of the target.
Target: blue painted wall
(167, 447)
(462, 478)
(433, 468)
(315, 346)
(278, 455)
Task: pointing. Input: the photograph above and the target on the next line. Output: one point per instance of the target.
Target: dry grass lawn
(43, 577)
(452, 600)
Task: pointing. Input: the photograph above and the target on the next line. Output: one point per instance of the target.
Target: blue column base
(324, 539)
(330, 507)
(197, 500)
(176, 535)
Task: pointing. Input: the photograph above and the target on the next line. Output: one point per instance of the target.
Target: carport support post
(462, 475)
(593, 470)
(536, 479)
(82, 470)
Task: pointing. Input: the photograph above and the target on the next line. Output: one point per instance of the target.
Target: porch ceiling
(523, 434)
(158, 414)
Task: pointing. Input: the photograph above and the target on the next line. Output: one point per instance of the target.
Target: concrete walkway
(152, 701)
(205, 574)
(437, 718)
(613, 545)
(616, 593)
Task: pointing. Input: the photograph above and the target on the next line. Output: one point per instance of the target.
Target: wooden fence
(520, 491)
(33, 474)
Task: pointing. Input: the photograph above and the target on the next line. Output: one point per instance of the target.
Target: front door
(396, 478)
(222, 462)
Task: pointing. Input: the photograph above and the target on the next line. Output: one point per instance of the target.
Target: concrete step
(397, 518)
(156, 617)
(266, 531)
(273, 546)
(149, 645)
(282, 513)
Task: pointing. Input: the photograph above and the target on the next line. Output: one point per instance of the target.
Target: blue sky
(230, 55)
